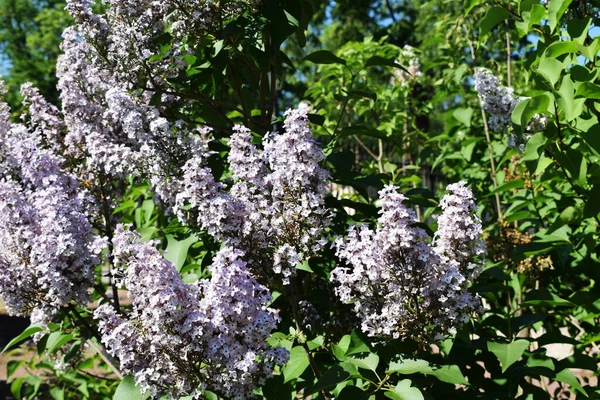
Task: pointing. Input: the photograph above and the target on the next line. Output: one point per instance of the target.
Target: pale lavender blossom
(400, 285)
(458, 243)
(48, 250)
(180, 339)
(498, 101)
(275, 209)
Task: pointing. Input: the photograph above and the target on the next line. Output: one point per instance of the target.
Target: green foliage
(30, 35)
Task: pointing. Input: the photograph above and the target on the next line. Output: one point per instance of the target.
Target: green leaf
(588, 90)
(463, 115)
(408, 366)
(469, 5)
(550, 69)
(516, 184)
(177, 250)
(508, 353)
(364, 360)
(566, 376)
(556, 9)
(572, 108)
(357, 344)
(363, 131)
(324, 57)
(404, 391)
(378, 61)
(559, 48)
(329, 380)
(56, 340)
(450, 374)
(493, 17)
(296, 365)
(534, 147)
(29, 331)
(127, 390)
(527, 108)
(57, 393)
(340, 349)
(543, 297)
(303, 265)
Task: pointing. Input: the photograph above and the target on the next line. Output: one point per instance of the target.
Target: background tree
(30, 37)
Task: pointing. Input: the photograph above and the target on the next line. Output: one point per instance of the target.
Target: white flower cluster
(47, 247)
(413, 71)
(400, 285)
(499, 102)
(275, 210)
(180, 339)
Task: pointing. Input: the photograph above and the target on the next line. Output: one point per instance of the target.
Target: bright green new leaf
(450, 374)
(508, 353)
(555, 11)
(56, 340)
(572, 107)
(588, 90)
(297, 364)
(409, 366)
(516, 184)
(404, 391)
(364, 360)
(559, 48)
(127, 390)
(340, 349)
(463, 115)
(550, 69)
(177, 250)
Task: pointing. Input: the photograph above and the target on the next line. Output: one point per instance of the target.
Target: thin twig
(492, 164)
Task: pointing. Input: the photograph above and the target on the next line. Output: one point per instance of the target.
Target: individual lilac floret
(180, 339)
(401, 286)
(48, 250)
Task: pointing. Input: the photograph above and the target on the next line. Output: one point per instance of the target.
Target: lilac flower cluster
(128, 30)
(275, 210)
(499, 102)
(180, 339)
(401, 286)
(115, 130)
(48, 250)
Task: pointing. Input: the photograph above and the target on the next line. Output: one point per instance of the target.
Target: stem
(508, 55)
(101, 351)
(492, 163)
(354, 76)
